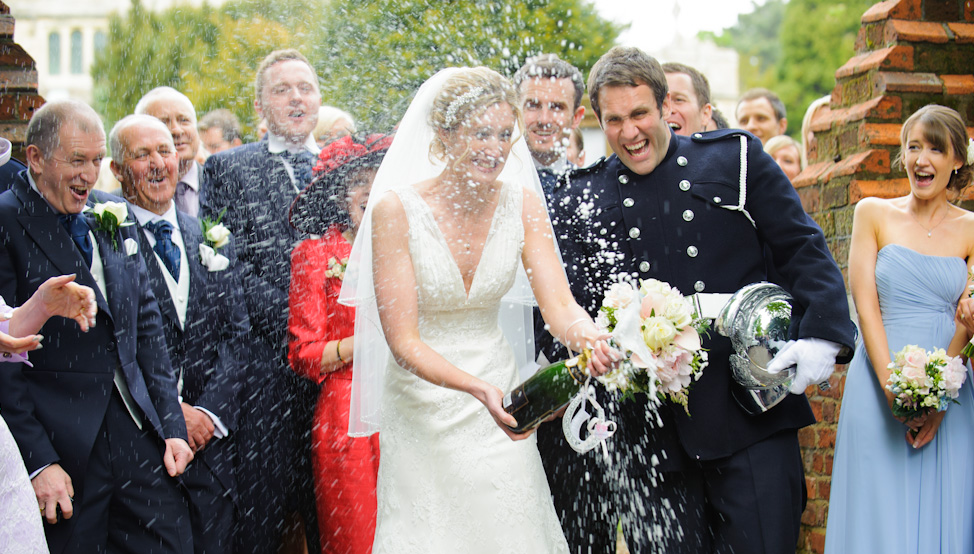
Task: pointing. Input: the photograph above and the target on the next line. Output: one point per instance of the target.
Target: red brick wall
(18, 85)
(909, 53)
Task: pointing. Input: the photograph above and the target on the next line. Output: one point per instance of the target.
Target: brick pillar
(909, 53)
(18, 85)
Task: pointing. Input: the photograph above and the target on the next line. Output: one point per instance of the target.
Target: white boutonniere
(336, 268)
(131, 247)
(212, 260)
(216, 234)
(110, 216)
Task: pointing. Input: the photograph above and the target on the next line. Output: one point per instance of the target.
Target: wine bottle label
(576, 373)
(515, 400)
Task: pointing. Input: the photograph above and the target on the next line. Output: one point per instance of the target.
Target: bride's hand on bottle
(493, 398)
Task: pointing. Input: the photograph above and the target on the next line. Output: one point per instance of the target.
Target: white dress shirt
(276, 145)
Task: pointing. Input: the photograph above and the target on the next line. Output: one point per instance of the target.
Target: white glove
(815, 359)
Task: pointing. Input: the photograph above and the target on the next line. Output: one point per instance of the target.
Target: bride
(455, 240)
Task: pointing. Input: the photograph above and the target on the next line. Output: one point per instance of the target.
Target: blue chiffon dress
(886, 496)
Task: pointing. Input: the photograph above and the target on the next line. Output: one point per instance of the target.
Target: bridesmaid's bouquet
(659, 333)
(969, 347)
(924, 381)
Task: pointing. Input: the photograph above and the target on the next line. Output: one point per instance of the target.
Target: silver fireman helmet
(756, 319)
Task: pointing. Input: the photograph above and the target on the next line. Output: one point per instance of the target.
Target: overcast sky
(655, 22)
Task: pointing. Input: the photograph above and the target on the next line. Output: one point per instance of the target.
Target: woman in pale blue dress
(907, 486)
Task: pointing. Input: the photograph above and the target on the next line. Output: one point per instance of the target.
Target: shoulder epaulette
(720, 134)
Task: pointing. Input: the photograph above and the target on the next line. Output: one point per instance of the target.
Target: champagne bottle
(545, 392)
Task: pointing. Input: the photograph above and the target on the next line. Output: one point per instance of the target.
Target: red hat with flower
(321, 204)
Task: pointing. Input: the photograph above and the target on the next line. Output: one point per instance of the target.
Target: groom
(673, 208)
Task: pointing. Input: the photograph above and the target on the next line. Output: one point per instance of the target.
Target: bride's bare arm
(568, 321)
(396, 296)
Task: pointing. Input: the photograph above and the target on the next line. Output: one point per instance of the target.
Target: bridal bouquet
(659, 333)
(924, 381)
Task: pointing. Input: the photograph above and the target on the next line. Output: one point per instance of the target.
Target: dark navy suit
(274, 436)
(66, 410)
(673, 225)
(210, 352)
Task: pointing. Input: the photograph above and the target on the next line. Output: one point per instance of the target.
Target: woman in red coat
(322, 341)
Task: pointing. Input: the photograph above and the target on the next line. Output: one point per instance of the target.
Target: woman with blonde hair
(454, 247)
(787, 153)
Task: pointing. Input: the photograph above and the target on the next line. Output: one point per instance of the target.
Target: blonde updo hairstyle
(945, 130)
(465, 96)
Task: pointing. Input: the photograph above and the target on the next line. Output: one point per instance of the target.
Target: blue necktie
(77, 226)
(302, 164)
(165, 247)
(548, 180)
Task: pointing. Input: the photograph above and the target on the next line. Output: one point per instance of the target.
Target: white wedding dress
(450, 481)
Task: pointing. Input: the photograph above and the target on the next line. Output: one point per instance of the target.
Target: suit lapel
(192, 237)
(42, 225)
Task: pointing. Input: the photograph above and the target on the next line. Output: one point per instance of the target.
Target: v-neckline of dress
(442, 239)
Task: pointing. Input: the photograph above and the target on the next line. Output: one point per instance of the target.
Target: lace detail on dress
(449, 479)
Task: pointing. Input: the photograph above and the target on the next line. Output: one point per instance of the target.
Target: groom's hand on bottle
(604, 358)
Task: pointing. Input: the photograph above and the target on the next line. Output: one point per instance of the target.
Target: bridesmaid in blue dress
(893, 492)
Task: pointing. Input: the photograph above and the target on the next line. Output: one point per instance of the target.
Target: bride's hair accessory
(451, 110)
(970, 151)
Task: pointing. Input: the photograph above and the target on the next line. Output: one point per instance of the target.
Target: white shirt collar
(276, 144)
(145, 216)
(192, 177)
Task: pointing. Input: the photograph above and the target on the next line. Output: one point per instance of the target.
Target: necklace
(930, 230)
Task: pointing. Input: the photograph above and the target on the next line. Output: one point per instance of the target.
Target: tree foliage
(371, 55)
(374, 54)
(208, 54)
(795, 47)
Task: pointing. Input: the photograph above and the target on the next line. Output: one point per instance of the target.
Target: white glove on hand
(815, 359)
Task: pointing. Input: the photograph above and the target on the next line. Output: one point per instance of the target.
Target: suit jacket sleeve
(18, 411)
(800, 252)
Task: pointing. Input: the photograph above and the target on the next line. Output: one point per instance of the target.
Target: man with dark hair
(220, 130)
(550, 90)
(96, 417)
(761, 113)
(252, 188)
(204, 318)
(689, 91)
(681, 210)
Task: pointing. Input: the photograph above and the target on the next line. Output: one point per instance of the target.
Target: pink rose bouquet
(924, 381)
(657, 329)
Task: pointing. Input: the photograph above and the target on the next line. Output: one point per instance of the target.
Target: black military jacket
(683, 224)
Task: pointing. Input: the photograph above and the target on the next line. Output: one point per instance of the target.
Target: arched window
(101, 40)
(76, 65)
(54, 52)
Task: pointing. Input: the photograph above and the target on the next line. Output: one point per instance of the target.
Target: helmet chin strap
(599, 428)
